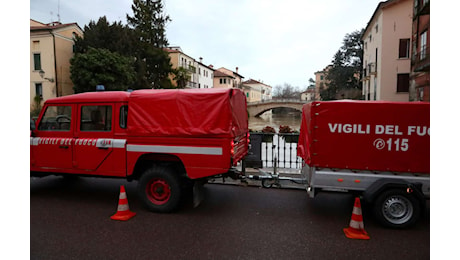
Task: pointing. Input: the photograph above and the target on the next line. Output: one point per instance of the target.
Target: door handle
(63, 146)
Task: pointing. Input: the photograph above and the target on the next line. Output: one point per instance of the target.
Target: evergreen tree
(149, 22)
(153, 64)
(346, 68)
(101, 67)
(114, 37)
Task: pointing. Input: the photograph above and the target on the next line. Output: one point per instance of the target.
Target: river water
(291, 119)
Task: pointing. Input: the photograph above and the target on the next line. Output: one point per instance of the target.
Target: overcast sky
(276, 42)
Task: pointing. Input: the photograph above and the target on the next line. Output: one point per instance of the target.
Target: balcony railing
(421, 60)
(421, 7)
(189, 67)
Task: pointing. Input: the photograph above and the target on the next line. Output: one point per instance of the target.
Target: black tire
(267, 183)
(159, 189)
(395, 208)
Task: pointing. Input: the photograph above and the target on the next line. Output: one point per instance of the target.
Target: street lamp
(42, 74)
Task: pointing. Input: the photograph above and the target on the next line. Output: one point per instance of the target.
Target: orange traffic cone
(123, 212)
(356, 229)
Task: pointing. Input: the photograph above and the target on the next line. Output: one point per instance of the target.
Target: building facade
(51, 48)
(205, 75)
(420, 65)
(256, 91)
(181, 60)
(386, 57)
(201, 76)
(235, 78)
(308, 95)
(223, 80)
(320, 81)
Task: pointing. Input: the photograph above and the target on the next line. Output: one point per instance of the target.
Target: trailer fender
(371, 193)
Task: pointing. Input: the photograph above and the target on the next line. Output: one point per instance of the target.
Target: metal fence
(267, 147)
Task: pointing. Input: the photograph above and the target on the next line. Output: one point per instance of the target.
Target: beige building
(386, 59)
(225, 78)
(51, 48)
(256, 91)
(201, 76)
(308, 95)
(320, 81)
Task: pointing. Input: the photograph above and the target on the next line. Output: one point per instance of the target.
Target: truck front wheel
(396, 208)
(159, 189)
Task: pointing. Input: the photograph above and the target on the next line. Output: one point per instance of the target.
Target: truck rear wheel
(396, 208)
(159, 189)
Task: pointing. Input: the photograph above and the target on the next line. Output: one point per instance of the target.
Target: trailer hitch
(269, 179)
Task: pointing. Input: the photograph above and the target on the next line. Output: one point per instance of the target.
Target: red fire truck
(168, 140)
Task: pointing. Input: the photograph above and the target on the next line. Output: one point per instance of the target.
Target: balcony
(189, 67)
(364, 75)
(421, 7)
(421, 60)
(372, 69)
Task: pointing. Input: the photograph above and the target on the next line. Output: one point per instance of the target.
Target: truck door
(51, 145)
(94, 143)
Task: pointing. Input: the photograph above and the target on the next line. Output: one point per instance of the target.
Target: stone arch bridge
(258, 108)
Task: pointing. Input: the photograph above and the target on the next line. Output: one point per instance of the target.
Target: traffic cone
(356, 228)
(123, 212)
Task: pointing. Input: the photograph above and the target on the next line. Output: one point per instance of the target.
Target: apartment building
(386, 58)
(256, 91)
(227, 78)
(308, 95)
(51, 48)
(420, 65)
(223, 80)
(201, 76)
(205, 75)
(181, 60)
(320, 81)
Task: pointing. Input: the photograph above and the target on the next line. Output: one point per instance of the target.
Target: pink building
(386, 57)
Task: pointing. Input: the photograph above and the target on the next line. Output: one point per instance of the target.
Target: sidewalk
(283, 172)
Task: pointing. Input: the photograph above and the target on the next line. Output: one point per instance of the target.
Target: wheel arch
(381, 185)
(149, 160)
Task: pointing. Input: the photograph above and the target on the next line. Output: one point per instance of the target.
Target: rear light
(248, 140)
(232, 148)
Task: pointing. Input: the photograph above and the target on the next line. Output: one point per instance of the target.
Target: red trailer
(380, 150)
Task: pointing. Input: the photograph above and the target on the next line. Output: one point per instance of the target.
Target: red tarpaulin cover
(366, 135)
(187, 112)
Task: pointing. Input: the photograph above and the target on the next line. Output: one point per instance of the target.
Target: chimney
(210, 65)
(201, 60)
(236, 69)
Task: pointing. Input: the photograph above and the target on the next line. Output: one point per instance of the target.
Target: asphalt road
(70, 219)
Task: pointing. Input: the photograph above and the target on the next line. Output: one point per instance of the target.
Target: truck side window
(124, 117)
(96, 118)
(56, 118)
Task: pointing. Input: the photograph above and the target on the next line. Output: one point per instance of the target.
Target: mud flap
(198, 193)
